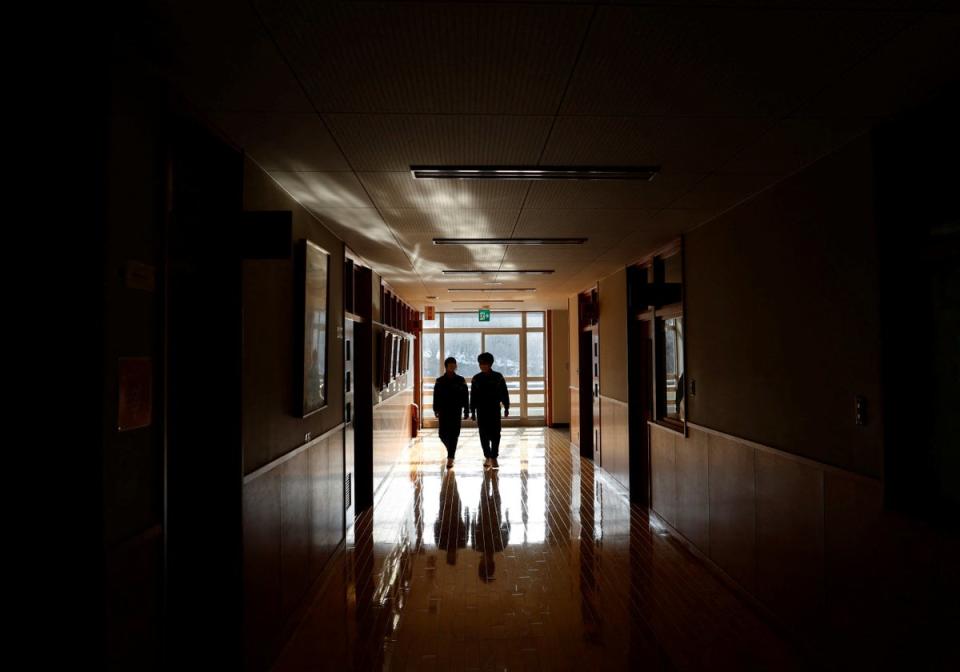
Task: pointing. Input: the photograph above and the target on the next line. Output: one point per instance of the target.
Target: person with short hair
(450, 398)
(488, 390)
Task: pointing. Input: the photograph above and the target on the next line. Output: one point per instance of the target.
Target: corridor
(543, 565)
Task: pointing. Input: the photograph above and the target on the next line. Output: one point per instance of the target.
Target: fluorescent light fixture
(507, 271)
(494, 289)
(509, 241)
(475, 301)
(534, 172)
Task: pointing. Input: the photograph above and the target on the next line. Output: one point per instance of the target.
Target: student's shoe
(496, 465)
(449, 463)
(487, 463)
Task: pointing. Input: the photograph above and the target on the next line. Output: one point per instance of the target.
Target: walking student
(488, 391)
(450, 398)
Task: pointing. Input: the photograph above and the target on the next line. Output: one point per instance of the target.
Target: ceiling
(336, 100)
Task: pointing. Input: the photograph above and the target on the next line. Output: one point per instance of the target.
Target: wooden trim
(547, 366)
(575, 387)
(675, 427)
(806, 461)
(394, 330)
(270, 466)
(670, 311)
(353, 316)
(614, 401)
(670, 248)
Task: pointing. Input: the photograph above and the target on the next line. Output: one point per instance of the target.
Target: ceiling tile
(452, 222)
(615, 194)
(324, 190)
(395, 142)
(429, 57)
(719, 192)
(718, 60)
(904, 73)
(399, 190)
(283, 142)
(696, 145)
(597, 225)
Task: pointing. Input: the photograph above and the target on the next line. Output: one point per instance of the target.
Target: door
(595, 393)
(585, 376)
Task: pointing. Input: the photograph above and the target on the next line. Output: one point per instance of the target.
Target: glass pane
(673, 366)
(535, 398)
(431, 356)
(514, 400)
(430, 324)
(513, 385)
(534, 319)
(535, 353)
(465, 348)
(672, 269)
(501, 320)
(536, 385)
(505, 349)
(535, 411)
(497, 320)
(461, 320)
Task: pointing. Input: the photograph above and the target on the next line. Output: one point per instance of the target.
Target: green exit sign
(483, 315)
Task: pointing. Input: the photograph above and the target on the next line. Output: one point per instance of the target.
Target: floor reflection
(562, 573)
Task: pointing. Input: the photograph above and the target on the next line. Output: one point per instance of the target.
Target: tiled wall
(809, 541)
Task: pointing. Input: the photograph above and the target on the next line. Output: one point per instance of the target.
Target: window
(517, 342)
(657, 298)
(465, 348)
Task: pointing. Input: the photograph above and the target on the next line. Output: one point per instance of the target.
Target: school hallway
(584, 580)
(701, 260)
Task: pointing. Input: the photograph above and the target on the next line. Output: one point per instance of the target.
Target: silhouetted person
(450, 530)
(490, 533)
(450, 398)
(488, 391)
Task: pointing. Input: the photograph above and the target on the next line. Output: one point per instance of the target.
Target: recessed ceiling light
(492, 289)
(505, 271)
(509, 241)
(487, 301)
(431, 297)
(534, 172)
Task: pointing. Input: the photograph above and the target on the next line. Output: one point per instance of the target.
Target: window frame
(661, 307)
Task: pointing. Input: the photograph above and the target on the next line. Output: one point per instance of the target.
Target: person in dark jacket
(450, 398)
(488, 391)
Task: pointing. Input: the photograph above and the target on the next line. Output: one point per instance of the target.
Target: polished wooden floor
(543, 565)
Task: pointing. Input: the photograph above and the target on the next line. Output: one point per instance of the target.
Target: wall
(392, 417)
(782, 315)
(614, 418)
(559, 358)
(775, 483)
(132, 461)
(811, 542)
(293, 466)
(270, 426)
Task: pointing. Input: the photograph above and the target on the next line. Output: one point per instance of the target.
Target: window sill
(672, 426)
